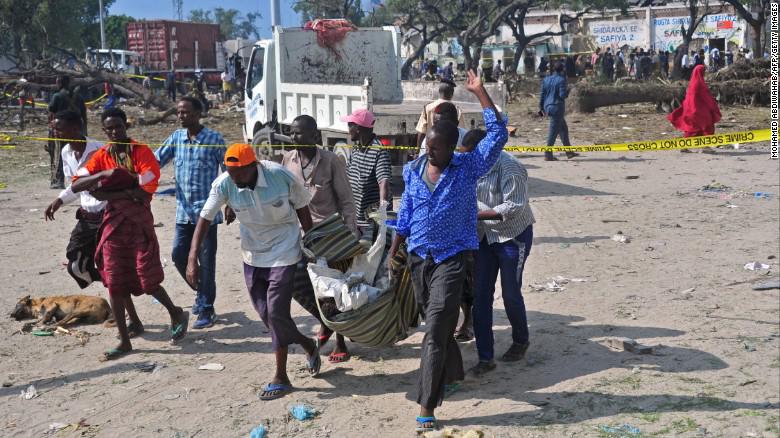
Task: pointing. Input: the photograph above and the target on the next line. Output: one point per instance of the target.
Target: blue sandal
(272, 391)
(180, 329)
(431, 423)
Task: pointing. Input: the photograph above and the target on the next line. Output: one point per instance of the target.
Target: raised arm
(488, 150)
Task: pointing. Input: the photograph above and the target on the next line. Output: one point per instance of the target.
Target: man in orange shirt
(125, 174)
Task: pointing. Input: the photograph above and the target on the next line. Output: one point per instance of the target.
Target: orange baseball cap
(239, 155)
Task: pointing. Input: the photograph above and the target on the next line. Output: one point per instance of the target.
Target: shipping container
(165, 43)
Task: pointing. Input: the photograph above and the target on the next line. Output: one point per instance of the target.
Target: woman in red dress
(699, 111)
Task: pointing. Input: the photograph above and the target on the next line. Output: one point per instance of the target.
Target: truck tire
(263, 150)
(342, 151)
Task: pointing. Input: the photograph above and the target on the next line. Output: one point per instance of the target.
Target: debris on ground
(556, 284)
(29, 394)
(619, 237)
(150, 367)
(212, 367)
(715, 187)
(625, 430)
(450, 432)
(258, 432)
(755, 266)
(303, 412)
(628, 344)
(767, 285)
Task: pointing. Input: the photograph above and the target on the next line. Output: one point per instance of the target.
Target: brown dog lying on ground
(64, 309)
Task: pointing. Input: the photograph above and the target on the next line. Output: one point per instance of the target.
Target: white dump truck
(292, 74)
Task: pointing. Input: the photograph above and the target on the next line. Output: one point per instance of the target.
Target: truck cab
(260, 90)
(295, 73)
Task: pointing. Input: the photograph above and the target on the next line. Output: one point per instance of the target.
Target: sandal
(340, 357)
(272, 391)
(112, 354)
(515, 353)
(180, 329)
(314, 363)
(426, 424)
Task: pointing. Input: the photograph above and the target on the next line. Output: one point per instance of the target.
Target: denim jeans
(508, 257)
(207, 287)
(558, 127)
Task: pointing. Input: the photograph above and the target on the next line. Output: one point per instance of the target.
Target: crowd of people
(464, 217)
(465, 204)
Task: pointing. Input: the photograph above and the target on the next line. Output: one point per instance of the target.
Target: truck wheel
(262, 146)
(342, 151)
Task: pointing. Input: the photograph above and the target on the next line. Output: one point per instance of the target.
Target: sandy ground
(678, 285)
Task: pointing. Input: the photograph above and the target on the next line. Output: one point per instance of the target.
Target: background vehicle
(292, 74)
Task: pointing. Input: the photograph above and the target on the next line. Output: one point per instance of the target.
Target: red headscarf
(699, 112)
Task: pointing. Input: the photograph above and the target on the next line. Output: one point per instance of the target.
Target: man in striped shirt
(505, 229)
(198, 155)
(368, 168)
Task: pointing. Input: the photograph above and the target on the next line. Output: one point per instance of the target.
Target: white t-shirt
(70, 167)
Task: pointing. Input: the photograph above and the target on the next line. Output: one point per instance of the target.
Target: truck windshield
(256, 68)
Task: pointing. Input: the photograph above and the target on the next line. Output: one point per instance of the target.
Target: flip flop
(339, 357)
(314, 363)
(180, 330)
(112, 354)
(422, 421)
(272, 391)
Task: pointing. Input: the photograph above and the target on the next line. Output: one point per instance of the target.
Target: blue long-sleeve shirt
(554, 93)
(198, 163)
(443, 222)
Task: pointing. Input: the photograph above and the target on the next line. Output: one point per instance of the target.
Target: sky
(163, 9)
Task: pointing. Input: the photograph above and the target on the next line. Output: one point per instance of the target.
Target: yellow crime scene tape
(741, 137)
(41, 104)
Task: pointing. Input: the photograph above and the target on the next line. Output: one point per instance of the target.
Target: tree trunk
(758, 49)
(521, 45)
(586, 98)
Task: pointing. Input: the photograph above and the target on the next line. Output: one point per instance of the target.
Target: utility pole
(275, 17)
(102, 28)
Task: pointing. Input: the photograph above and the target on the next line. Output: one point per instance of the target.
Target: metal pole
(275, 17)
(102, 29)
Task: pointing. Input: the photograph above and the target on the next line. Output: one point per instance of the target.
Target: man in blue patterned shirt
(438, 220)
(198, 155)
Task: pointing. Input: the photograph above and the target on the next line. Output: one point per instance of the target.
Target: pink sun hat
(361, 117)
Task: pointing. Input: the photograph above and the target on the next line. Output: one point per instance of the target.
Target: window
(256, 67)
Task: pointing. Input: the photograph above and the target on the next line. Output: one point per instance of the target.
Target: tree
(201, 16)
(516, 21)
(231, 23)
(696, 15)
(312, 9)
(420, 26)
(485, 19)
(30, 27)
(116, 30)
(756, 22)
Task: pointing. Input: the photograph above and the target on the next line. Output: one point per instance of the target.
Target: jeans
(509, 257)
(207, 257)
(558, 127)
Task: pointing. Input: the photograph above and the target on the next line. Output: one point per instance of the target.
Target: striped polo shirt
(504, 189)
(366, 169)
